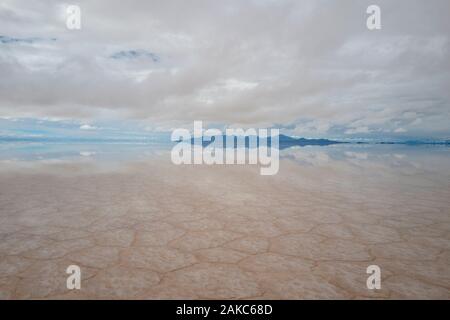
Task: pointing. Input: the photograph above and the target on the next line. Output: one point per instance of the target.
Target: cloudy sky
(311, 68)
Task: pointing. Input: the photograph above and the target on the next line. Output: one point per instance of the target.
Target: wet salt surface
(141, 227)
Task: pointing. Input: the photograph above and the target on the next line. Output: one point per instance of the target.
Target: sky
(309, 67)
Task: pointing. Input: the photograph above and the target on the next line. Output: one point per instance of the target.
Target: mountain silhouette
(284, 141)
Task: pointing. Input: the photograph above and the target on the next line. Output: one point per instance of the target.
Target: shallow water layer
(140, 227)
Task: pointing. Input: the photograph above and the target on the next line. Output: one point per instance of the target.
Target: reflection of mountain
(408, 142)
(284, 141)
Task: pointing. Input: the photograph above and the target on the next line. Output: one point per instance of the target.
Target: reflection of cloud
(313, 157)
(357, 155)
(87, 153)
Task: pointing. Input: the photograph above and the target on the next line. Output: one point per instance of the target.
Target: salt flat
(148, 229)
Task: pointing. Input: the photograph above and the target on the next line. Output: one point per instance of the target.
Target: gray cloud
(309, 65)
(135, 54)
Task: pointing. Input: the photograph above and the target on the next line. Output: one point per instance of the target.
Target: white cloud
(312, 127)
(87, 127)
(357, 130)
(253, 62)
(416, 122)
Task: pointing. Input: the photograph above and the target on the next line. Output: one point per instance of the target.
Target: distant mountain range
(284, 140)
(287, 142)
(290, 141)
(407, 142)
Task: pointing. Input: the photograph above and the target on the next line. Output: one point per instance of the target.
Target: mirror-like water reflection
(142, 227)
